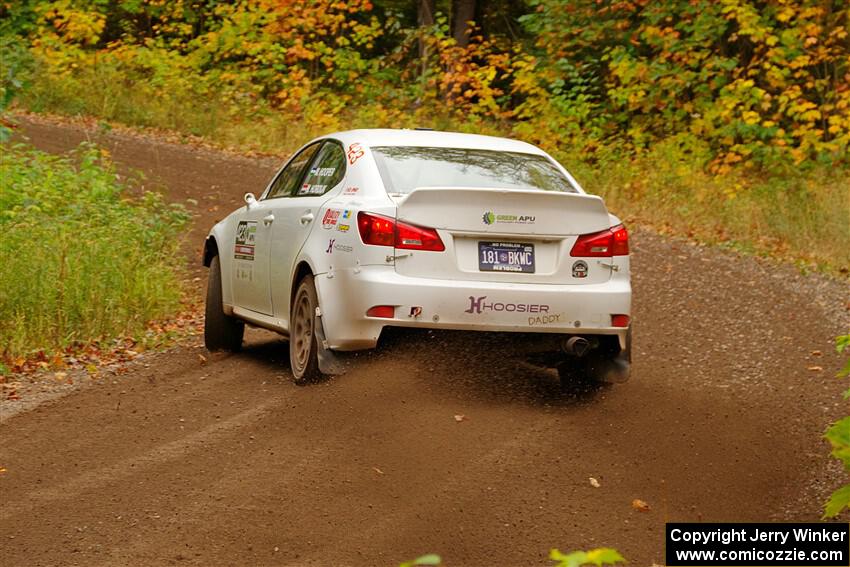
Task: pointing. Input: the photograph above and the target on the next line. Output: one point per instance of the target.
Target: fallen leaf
(640, 505)
(815, 368)
(377, 470)
(816, 353)
(460, 417)
(594, 483)
(2, 470)
(202, 359)
(60, 375)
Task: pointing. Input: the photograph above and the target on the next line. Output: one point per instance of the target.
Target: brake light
(376, 229)
(620, 320)
(380, 230)
(611, 242)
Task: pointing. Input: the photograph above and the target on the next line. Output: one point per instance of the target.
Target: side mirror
(250, 199)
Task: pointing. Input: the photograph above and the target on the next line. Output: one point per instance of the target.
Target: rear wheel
(221, 331)
(303, 344)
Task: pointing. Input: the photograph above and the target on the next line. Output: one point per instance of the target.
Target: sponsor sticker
(330, 218)
(244, 271)
(355, 152)
(580, 269)
(346, 214)
(479, 305)
(332, 245)
(246, 232)
(491, 218)
(351, 190)
(546, 319)
(343, 227)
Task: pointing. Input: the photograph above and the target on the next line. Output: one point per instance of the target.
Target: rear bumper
(346, 295)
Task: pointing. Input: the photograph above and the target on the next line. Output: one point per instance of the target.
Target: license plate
(506, 257)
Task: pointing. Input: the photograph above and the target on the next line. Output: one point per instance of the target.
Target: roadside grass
(801, 216)
(799, 213)
(85, 256)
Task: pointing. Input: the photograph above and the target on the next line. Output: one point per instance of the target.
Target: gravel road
(229, 463)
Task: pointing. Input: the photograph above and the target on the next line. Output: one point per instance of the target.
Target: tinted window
(292, 173)
(326, 171)
(404, 168)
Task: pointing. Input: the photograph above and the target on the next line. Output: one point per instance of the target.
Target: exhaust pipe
(576, 346)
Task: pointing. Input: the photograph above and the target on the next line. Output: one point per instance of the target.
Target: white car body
(318, 234)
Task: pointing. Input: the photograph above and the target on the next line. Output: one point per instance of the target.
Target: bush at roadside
(84, 257)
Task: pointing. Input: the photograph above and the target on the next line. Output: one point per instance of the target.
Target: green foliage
(725, 121)
(842, 343)
(599, 557)
(83, 258)
(762, 82)
(429, 559)
(838, 436)
(15, 60)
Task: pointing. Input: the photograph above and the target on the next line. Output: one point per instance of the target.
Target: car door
(250, 265)
(250, 279)
(295, 217)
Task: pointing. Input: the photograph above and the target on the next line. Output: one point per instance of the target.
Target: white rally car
(366, 229)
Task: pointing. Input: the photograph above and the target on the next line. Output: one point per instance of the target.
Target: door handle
(268, 219)
(307, 217)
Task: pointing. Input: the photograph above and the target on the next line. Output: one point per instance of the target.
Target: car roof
(432, 138)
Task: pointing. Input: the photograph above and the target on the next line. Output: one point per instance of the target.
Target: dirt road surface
(229, 463)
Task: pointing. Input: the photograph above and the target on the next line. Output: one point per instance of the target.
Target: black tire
(303, 343)
(221, 331)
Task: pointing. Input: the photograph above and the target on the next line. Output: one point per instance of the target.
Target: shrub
(84, 258)
(838, 436)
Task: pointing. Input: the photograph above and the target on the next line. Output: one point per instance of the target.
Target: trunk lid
(479, 226)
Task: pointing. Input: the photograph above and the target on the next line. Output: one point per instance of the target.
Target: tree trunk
(425, 18)
(463, 11)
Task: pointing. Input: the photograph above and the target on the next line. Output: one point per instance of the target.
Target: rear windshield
(405, 168)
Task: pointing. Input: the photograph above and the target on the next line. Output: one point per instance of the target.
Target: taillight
(611, 242)
(385, 231)
(620, 320)
(376, 229)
